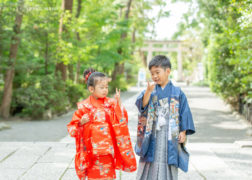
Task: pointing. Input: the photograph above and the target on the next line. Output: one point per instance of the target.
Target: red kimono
(103, 144)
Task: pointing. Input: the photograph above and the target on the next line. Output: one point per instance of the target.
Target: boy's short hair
(160, 61)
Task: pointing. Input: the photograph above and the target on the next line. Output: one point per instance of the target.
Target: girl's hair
(160, 61)
(91, 76)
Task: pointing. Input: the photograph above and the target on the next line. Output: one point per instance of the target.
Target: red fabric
(87, 76)
(103, 168)
(106, 135)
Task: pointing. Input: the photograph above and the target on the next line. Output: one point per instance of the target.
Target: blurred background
(46, 45)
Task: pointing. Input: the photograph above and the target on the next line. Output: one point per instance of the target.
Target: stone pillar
(180, 65)
(149, 57)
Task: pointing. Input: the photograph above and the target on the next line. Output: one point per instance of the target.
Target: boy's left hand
(118, 96)
(182, 137)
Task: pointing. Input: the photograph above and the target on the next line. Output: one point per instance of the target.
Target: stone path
(220, 149)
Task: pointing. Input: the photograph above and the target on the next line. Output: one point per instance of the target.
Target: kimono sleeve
(185, 116)
(125, 158)
(72, 127)
(139, 103)
(121, 113)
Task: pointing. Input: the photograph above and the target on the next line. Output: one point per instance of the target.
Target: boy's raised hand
(118, 96)
(147, 94)
(150, 86)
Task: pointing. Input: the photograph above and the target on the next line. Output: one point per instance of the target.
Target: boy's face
(101, 88)
(160, 75)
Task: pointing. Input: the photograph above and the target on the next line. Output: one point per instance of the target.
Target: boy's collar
(168, 83)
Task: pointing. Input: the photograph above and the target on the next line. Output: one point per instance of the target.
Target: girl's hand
(84, 119)
(182, 137)
(118, 96)
(150, 86)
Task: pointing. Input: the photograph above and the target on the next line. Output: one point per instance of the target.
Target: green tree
(10, 72)
(69, 39)
(225, 29)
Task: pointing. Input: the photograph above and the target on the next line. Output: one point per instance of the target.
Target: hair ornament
(87, 76)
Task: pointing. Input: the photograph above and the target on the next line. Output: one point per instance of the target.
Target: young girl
(100, 129)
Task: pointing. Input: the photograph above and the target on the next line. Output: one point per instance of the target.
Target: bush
(75, 92)
(45, 94)
(119, 83)
(229, 71)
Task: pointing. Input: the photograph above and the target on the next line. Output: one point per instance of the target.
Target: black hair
(91, 76)
(160, 61)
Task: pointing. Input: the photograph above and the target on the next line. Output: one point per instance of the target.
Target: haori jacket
(106, 133)
(170, 104)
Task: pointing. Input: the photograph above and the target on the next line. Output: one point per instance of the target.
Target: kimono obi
(100, 133)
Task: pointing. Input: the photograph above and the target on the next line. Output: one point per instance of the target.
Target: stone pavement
(220, 148)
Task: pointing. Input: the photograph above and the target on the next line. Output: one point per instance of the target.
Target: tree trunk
(144, 59)
(60, 66)
(77, 80)
(62, 69)
(10, 73)
(119, 67)
(78, 9)
(46, 53)
(115, 71)
(71, 73)
(133, 40)
(1, 33)
(126, 17)
(77, 77)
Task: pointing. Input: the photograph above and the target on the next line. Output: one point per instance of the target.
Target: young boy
(164, 122)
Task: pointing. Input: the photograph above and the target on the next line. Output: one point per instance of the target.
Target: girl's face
(101, 88)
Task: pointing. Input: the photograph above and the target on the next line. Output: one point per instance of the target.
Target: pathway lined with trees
(45, 46)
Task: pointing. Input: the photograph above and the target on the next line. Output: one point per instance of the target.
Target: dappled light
(184, 65)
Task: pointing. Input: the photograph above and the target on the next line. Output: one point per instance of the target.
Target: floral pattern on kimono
(102, 142)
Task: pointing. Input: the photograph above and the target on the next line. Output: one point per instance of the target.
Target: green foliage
(131, 70)
(41, 95)
(91, 37)
(46, 94)
(75, 92)
(120, 79)
(225, 28)
(229, 57)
